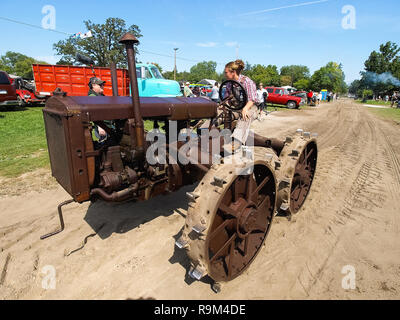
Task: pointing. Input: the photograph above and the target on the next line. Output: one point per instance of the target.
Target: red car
(282, 97)
(8, 95)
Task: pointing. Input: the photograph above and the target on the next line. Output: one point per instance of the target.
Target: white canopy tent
(207, 82)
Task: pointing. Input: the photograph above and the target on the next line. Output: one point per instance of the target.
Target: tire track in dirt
(4, 271)
(364, 195)
(388, 156)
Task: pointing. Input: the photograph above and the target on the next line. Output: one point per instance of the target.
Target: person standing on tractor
(233, 71)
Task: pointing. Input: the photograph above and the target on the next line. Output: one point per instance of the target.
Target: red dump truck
(74, 79)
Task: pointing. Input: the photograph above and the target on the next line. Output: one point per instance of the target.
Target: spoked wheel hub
(236, 216)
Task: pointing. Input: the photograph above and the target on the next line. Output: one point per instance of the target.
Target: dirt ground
(121, 251)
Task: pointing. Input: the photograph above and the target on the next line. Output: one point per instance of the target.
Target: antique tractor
(230, 211)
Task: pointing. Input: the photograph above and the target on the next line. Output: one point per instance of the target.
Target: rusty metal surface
(67, 146)
(111, 108)
(275, 144)
(128, 39)
(114, 79)
(57, 134)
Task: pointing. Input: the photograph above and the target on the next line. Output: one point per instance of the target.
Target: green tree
(286, 81)
(382, 68)
(168, 75)
(386, 60)
(203, 70)
(367, 94)
(295, 72)
(330, 77)
(268, 75)
(103, 47)
(18, 64)
(302, 84)
(157, 65)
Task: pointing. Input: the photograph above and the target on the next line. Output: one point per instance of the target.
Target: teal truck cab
(152, 84)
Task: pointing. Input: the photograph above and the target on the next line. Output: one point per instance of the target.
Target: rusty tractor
(230, 211)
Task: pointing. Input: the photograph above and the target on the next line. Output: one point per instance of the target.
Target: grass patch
(375, 103)
(391, 114)
(23, 145)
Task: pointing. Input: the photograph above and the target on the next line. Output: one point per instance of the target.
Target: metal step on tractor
(230, 212)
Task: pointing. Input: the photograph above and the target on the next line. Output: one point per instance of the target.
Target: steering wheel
(233, 93)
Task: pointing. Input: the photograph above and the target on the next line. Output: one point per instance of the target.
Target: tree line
(381, 73)
(18, 64)
(330, 77)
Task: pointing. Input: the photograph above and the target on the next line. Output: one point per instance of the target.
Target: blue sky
(307, 32)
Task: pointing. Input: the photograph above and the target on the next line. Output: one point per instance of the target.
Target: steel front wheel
(299, 163)
(229, 221)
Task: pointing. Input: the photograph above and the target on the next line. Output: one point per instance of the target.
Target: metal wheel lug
(192, 196)
(295, 153)
(197, 273)
(219, 182)
(199, 229)
(181, 243)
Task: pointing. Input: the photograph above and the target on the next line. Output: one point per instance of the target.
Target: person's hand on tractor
(245, 111)
(102, 132)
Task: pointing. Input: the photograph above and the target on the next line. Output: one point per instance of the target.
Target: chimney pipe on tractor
(114, 79)
(128, 39)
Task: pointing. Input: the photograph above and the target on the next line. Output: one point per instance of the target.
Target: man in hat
(186, 91)
(96, 87)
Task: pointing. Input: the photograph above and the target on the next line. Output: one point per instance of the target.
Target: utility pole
(175, 49)
(237, 51)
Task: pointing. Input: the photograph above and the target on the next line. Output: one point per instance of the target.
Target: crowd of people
(315, 98)
(393, 98)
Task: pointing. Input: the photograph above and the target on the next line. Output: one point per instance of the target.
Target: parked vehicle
(302, 95)
(8, 95)
(26, 93)
(74, 80)
(282, 97)
(151, 83)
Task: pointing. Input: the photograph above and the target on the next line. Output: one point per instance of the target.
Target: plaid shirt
(250, 88)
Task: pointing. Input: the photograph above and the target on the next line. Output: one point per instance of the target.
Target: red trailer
(74, 80)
